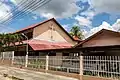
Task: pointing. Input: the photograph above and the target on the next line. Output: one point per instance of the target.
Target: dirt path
(30, 75)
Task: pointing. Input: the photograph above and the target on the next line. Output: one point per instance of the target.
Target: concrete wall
(44, 31)
(103, 39)
(47, 36)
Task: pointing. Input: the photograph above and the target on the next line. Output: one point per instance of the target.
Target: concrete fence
(82, 67)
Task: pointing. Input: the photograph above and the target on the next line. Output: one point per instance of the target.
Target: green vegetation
(7, 40)
(76, 32)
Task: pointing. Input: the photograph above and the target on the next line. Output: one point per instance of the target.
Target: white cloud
(6, 29)
(5, 12)
(104, 25)
(47, 15)
(66, 27)
(85, 33)
(83, 21)
(108, 6)
(55, 8)
(35, 17)
(116, 25)
(88, 13)
(83, 0)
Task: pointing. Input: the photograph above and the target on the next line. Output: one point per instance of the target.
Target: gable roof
(96, 34)
(36, 25)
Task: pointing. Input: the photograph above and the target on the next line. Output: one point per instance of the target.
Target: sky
(90, 15)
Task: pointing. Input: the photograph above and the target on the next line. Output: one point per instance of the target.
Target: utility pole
(26, 57)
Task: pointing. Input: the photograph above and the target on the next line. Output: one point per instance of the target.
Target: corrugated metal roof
(47, 45)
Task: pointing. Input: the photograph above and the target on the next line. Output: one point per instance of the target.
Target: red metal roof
(77, 39)
(47, 45)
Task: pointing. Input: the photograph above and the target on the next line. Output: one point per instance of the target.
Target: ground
(29, 75)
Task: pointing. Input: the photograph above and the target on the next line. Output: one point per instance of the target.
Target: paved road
(29, 75)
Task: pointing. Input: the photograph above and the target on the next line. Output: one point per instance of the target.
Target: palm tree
(3, 41)
(19, 38)
(6, 40)
(1, 44)
(76, 32)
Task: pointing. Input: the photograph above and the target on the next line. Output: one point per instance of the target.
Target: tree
(7, 40)
(76, 32)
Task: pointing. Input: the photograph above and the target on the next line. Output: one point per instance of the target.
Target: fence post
(3, 57)
(81, 66)
(47, 60)
(26, 60)
(12, 57)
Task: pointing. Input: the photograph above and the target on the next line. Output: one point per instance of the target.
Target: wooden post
(12, 57)
(47, 60)
(81, 66)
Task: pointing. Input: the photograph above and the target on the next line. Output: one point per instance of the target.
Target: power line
(27, 8)
(9, 13)
(31, 7)
(15, 10)
(21, 3)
